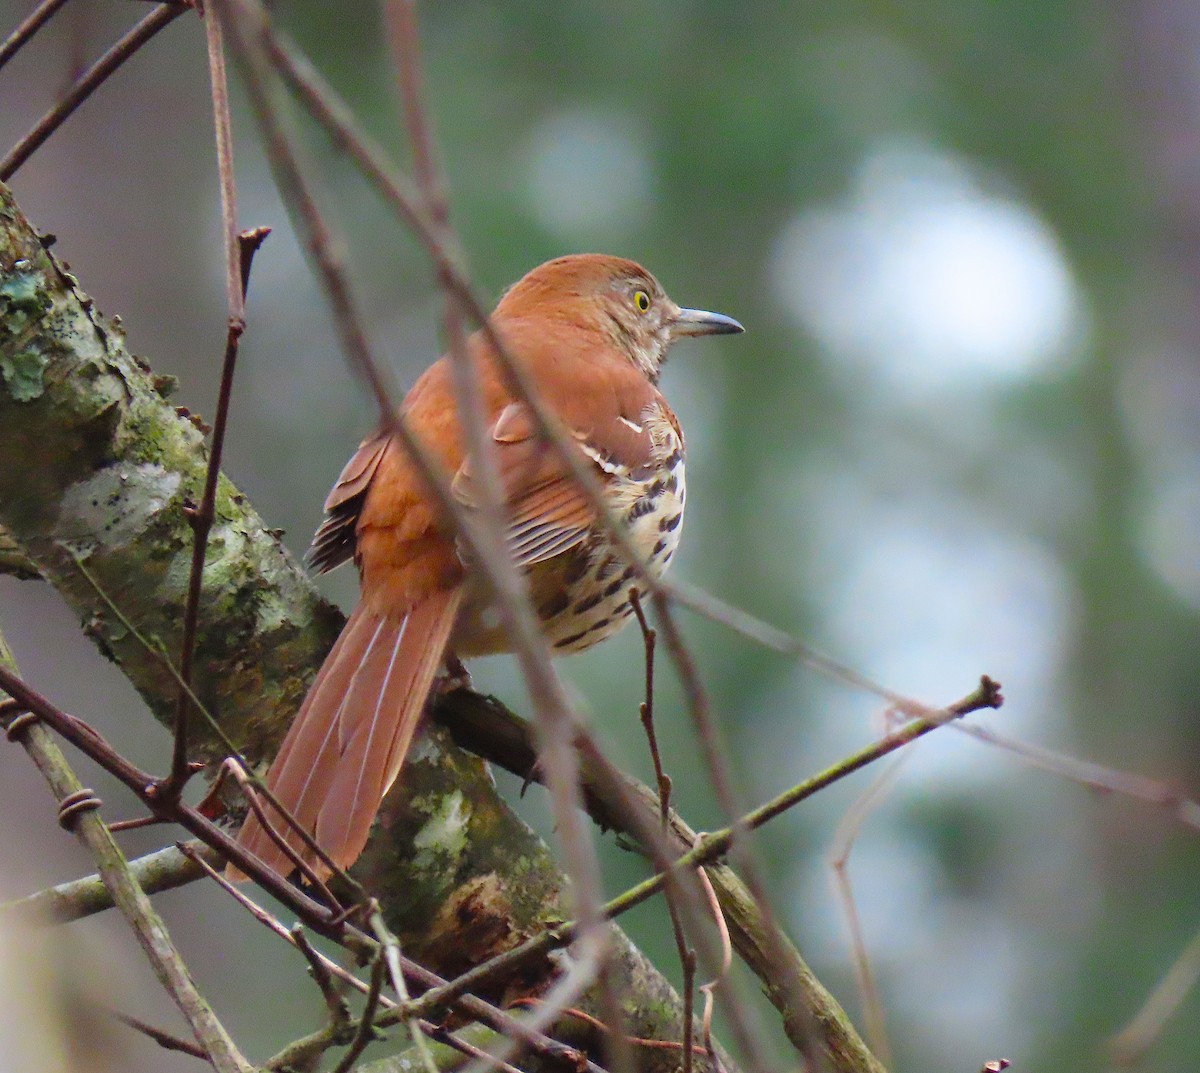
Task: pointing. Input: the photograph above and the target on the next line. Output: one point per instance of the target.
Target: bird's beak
(702, 322)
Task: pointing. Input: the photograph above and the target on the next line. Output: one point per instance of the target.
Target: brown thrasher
(591, 331)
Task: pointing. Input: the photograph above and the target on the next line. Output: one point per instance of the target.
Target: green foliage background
(1035, 519)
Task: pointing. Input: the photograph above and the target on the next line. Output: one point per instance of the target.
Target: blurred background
(961, 435)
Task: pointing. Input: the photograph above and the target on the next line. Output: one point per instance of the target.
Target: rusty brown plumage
(592, 332)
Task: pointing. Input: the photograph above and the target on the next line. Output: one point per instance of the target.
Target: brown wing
(548, 512)
(333, 543)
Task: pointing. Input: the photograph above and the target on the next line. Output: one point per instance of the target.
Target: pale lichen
(443, 836)
(115, 506)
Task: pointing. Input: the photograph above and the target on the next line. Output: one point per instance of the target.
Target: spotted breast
(582, 595)
(593, 603)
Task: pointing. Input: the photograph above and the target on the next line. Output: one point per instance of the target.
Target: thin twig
(36, 19)
(165, 1040)
(155, 650)
(715, 754)
(87, 84)
(552, 707)
(389, 958)
(239, 253)
(441, 1035)
(687, 954)
(709, 989)
(1130, 1044)
(132, 901)
(646, 708)
(165, 869)
(600, 1026)
(365, 1033)
(1097, 777)
(335, 1002)
(250, 792)
(242, 249)
(839, 859)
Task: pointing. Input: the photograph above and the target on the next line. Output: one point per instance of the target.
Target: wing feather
(334, 542)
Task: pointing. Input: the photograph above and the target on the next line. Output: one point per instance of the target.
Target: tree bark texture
(97, 470)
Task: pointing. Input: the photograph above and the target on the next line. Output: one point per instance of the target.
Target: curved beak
(702, 322)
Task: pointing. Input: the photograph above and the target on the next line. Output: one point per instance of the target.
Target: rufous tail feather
(349, 740)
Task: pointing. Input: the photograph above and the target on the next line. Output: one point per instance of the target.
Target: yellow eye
(642, 300)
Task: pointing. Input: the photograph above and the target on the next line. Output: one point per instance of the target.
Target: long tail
(348, 741)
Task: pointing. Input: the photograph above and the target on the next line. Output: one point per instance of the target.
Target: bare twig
(335, 1003)
(1130, 1044)
(155, 650)
(646, 708)
(687, 954)
(243, 247)
(552, 707)
(1098, 777)
(389, 959)
(162, 870)
(251, 793)
(132, 901)
(165, 1040)
(839, 859)
(715, 755)
(365, 1033)
(239, 254)
(245, 32)
(88, 83)
(600, 1026)
(709, 989)
(30, 25)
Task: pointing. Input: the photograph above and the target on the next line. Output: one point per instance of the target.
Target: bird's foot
(456, 677)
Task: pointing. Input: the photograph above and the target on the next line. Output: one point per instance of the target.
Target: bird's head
(615, 297)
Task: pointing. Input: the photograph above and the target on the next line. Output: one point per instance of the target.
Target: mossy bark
(97, 469)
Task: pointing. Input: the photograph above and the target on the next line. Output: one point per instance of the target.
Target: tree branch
(96, 466)
(78, 814)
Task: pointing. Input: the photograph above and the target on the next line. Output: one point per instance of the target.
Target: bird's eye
(641, 299)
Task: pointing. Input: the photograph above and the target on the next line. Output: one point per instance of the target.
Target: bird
(591, 331)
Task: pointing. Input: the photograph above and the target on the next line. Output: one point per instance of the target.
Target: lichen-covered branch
(96, 468)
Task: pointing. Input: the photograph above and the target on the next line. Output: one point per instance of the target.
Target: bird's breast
(582, 595)
(585, 598)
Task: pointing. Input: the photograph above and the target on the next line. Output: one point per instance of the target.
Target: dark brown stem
(36, 19)
(165, 1040)
(87, 84)
(144, 787)
(365, 1032)
(715, 845)
(242, 250)
(687, 955)
(554, 714)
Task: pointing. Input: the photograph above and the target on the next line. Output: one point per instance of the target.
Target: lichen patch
(115, 506)
(443, 835)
